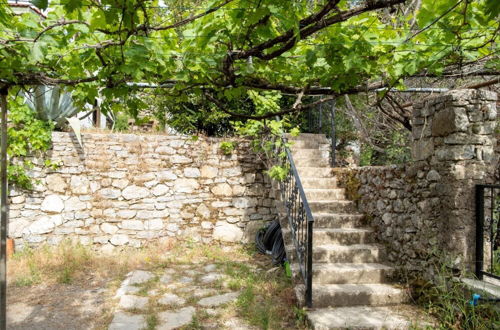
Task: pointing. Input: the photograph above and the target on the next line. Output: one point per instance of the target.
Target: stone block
(227, 232)
(79, 185)
(449, 120)
(186, 185)
(203, 211)
(160, 190)
(52, 204)
(132, 225)
(209, 171)
(120, 183)
(153, 224)
(74, 204)
(166, 176)
(192, 172)
(455, 153)
(484, 128)
(109, 193)
(222, 189)
(56, 183)
(422, 149)
(135, 192)
(119, 239)
(108, 228)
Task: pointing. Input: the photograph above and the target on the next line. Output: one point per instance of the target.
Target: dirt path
(59, 306)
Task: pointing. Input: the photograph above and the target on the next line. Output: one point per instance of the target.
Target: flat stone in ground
(210, 277)
(186, 279)
(218, 300)
(191, 272)
(173, 286)
(237, 324)
(175, 319)
(199, 292)
(126, 321)
(211, 311)
(210, 268)
(153, 292)
(133, 302)
(139, 277)
(126, 289)
(171, 299)
(166, 279)
(185, 289)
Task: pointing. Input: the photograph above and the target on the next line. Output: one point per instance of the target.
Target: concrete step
(369, 317)
(331, 194)
(350, 273)
(323, 145)
(319, 183)
(307, 137)
(332, 207)
(343, 295)
(338, 236)
(338, 220)
(314, 172)
(356, 253)
(310, 153)
(342, 236)
(311, 162)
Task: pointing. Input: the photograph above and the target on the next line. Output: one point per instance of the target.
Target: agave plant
(55, 105)
(51, 104)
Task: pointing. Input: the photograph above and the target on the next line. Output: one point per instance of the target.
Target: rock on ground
(126, 321)
(175, 319)
(218, 300)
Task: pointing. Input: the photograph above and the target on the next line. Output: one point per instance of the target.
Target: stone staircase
(350, 289)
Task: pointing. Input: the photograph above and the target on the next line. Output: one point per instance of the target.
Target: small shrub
(227, 147)
(121, 122)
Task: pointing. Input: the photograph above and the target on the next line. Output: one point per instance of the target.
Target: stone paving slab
(169, 296)
(133, 302)
(139, 277)
(175, 319)
(171, 299)
(218, 300)
(126, 321)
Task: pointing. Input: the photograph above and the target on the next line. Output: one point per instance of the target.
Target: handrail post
(309, 263)
(479, 231)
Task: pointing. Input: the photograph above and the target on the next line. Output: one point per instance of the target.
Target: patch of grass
(448, 301)
(267, 300)
(496, 262)
(147, 286)
(151, 322)
(69, 262)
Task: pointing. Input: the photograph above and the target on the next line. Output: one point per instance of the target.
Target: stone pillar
(454, 136)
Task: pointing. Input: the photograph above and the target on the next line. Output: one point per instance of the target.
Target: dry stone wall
(125, 189)
(424, 211)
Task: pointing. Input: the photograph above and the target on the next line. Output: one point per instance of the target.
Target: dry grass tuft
(70, 261)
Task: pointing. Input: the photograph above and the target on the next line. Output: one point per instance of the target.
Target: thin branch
(60, 23)
(299, 108)
(434, 21)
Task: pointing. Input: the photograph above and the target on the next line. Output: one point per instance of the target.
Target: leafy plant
(28, 136)
(227, 147)
(278, 172)
(121, 122)
(52, 104)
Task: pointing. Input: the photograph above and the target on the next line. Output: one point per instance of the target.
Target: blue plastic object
(475, 299)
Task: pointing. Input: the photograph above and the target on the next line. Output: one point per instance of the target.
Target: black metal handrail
(487, 217)
(300, 219)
